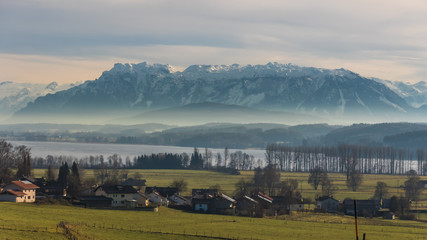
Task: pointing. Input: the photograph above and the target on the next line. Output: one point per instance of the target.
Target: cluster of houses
(133, 194)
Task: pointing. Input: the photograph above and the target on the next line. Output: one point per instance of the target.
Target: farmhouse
(247, 206)
(19, 191)
(367, 208)
(47, 188)
(223, 204)
(210, 200)
(327, 204)
(122, 195)
(202, 199)
(266, 202)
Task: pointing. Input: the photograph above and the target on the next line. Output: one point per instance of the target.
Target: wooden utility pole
(355, 220)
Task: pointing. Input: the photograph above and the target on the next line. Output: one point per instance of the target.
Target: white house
(122, 195)
(19, 191)
(158, 199)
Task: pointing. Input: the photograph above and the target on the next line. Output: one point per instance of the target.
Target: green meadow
(32, 221)
(48, 221)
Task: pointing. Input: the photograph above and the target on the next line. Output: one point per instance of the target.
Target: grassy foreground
(31, 221)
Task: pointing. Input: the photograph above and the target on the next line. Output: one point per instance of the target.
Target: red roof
(16, 193)
(25, 184)
(263, 195)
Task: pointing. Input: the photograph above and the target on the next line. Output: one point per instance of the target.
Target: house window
(122, 202)
(123, 195)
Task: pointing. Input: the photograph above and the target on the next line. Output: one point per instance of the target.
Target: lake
(79, 150)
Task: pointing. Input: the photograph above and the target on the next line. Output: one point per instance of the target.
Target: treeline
(227, 162)
(88, 162)
(346, 158)
(199, 159)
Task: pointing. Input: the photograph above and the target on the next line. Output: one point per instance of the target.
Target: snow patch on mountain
(14, 96)
(414, 93)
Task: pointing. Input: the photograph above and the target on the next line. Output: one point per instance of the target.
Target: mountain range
(139, 91)
(14, 96)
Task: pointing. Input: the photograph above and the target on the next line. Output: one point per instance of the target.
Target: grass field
(31, 221)
(205, 179)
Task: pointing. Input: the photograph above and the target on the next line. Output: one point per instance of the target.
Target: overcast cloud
(68, 41)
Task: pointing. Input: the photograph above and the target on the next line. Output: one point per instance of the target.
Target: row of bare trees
(346, 158)
(11, 157)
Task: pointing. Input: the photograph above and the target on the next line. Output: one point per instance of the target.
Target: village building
(163, 191)
(122, 195)
(19, 191)
(178, 200)
(222, 204)
(210, 200)
(247, 206)
(157, 200)
(201, 204)
(136, 183)
(327, 204)
(206, 193)
(366, 208)
(266, 203)
(422, 184)
(47, 188)
(142, 199)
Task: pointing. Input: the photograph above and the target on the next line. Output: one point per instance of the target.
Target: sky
(71, 41)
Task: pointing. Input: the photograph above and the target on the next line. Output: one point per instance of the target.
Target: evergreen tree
(74, 181)
(196, 160)
(64, 173)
